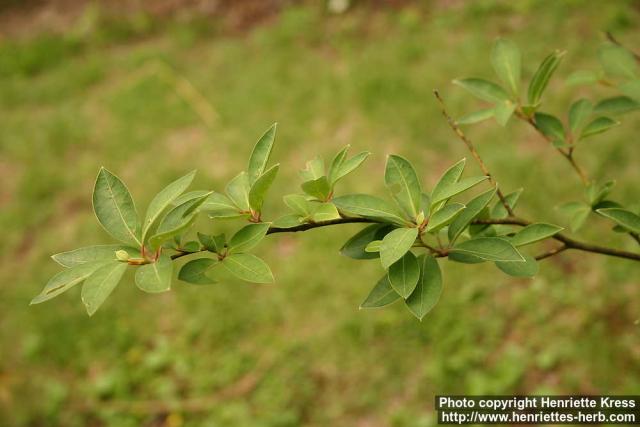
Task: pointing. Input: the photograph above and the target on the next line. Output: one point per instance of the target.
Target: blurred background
(153, 89)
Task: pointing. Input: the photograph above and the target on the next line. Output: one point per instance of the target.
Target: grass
(298, 352)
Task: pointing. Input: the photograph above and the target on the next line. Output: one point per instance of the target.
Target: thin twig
(613, 40)
(456, 129)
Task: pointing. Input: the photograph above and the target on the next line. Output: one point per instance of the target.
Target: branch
(456, 129)
(613, 40)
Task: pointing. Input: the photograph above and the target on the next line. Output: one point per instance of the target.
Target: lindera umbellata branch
(410, 236)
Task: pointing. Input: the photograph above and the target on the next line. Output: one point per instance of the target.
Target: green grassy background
(298, 352)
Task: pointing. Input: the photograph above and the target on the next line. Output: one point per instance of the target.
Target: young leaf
(176, 221)
(163, 199)
(542, 76)
(192, 195)
(455, 189)
(403, 184)
(288, 221)
(483, 89)
(473, 209)
(368, 207)
(617, 61)
(404, 274)
(534, 233)
(66, 279)
(506, 59)
(396, 244)
(598, 125)
(260, 154)
(114, 208)
(583, 77)
(336, 164)
(446, 181)
(444, 216)
(429, 287)
(596, 193)
(318, 188)
(238, 191)
(248, 237)
(298, 203)
(499, 211)
(476, 116)
(503, 112)
(577, 213)
(579, 112)
(100, 284)
(616, 105)
(381, 295)
(89, 254)
(550, 126)
(528, 268)
(622, 217)
(489, 248)
(355, 246)
(324, 212)
(218, 206)
(248, 267)
(260, 187)
(213, 243)
(373, 247)
(195, 271)
(313, 170)
(155, 277)
(348, 166)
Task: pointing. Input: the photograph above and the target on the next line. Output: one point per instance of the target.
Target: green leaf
(355, 246)
(381, 295)
(444, 216)
(336, 164)
(368, 207)
(499, 211)
(577, 213)
(476, 116)
(248, 237)
(404, 274)
(429, 287)
(503, 112)
(195, 271)
(596, 193)
(550, 126)
(483, 89)
(403, 184)
(324, 212)
(489, 248)
(534, 233)
(248, 267)
(66, 279)
(298, 203)
(213, 243)
(528, 268)
(318, 188)
(260, 187)
(90, 254)
(598, 125)
(155, 277)
(541, 77)
(313, 170)
(373, 247)
(579, 112)
(288, 221)
(616, 105)
(622, 217)
(260, 154)
(238, 191)
(114, 208)
(446, 181)
(473, 209)
(506, 60)
(464, 258)
(617, 61)
(396, 244)
(219, 206)
(583, 77)
(163, 199)
(455, 189)
(100, 284)
(631, 88)
(176, 221)
(348, 166)
(192, 195)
